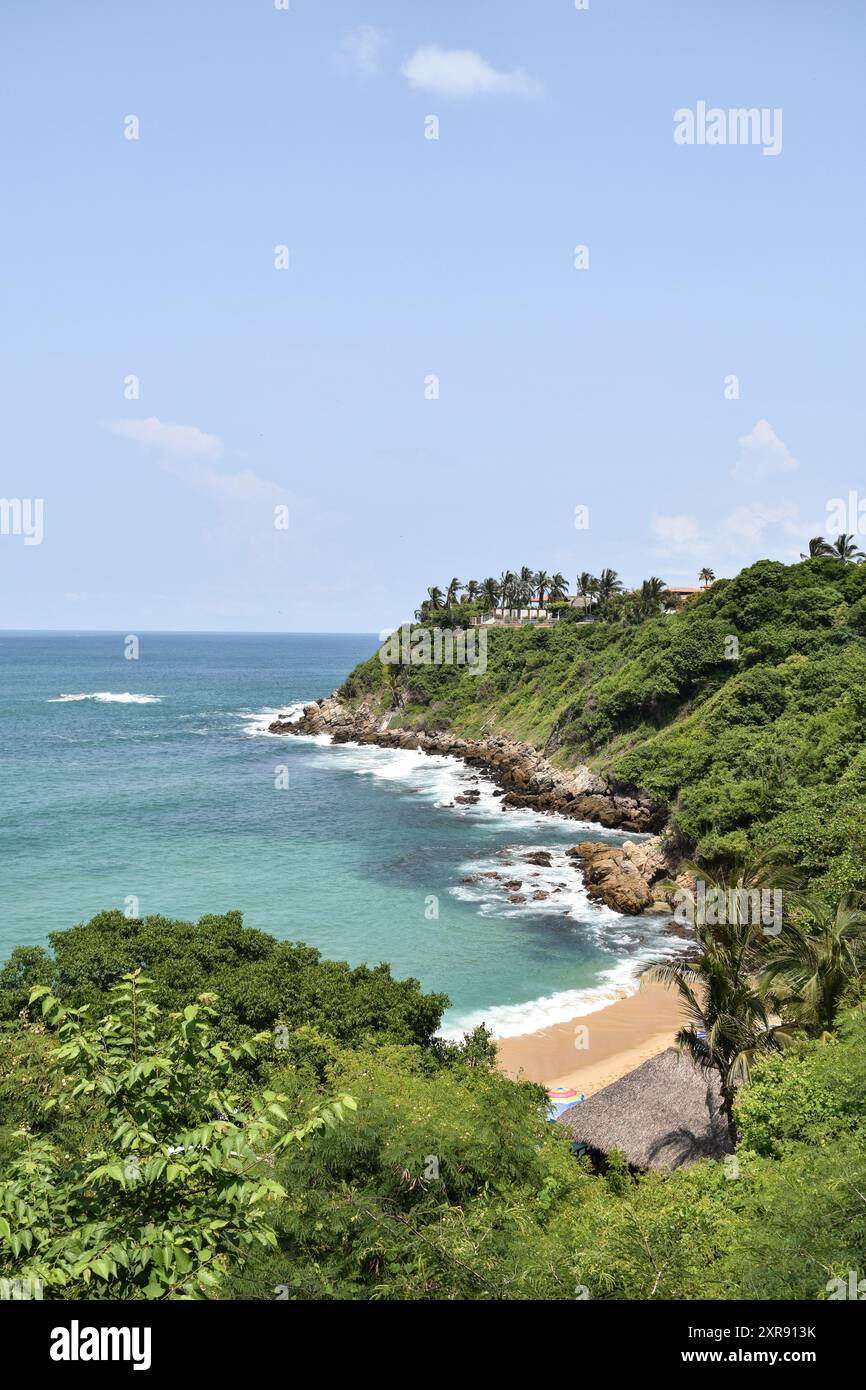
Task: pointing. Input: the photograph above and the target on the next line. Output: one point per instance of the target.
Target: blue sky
(408, 258)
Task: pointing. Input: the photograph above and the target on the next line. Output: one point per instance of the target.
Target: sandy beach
(591, 1050)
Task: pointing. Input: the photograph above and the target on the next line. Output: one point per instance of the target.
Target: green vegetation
(259, 981)
(196, 1110)
(744, 714)
(146, 1176)
(760, 971)
(514, 590)
(142, 1158)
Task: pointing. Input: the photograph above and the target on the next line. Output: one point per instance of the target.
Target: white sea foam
(108, 697)
(561, 880)
(256, 722)
(512, 1020)
(435, 777)
(499, 878)
(439, 779)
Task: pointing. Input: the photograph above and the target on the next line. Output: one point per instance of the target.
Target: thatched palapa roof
(665, 1113)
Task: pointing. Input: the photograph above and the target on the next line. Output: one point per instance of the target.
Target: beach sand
(614, 1040)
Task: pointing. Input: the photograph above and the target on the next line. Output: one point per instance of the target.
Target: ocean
(152, 785)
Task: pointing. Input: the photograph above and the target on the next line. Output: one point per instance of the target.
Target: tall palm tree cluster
(509, 590)
(747, 991)
(602, 594)
(843, 548)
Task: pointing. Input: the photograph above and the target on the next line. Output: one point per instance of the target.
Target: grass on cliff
(744, 715)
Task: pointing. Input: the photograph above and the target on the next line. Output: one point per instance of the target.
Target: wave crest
(108, 697)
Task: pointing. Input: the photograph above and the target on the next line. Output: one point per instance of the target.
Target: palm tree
(587, 587)
(434, 599)
(490, 593)
(727, 1008)
(608, 584)
(817, 959)
(540, 583)
(451, 593)
(706, 576)
(524, 584)
(394, 676)
(742, 873)
(558, 587)
(728, 1019)
(651, 596)
(817, 546)
(844, 548)
(506, 588)
(473, 588)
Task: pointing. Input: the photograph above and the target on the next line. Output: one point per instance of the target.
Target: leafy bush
(260, 982)
(181, 1178)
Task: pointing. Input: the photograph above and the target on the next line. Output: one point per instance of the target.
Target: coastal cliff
(736, 727)
(622, 876)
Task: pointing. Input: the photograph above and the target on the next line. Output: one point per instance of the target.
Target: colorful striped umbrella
(562, 1098)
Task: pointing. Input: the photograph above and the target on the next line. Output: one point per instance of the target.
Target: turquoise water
(154, 780)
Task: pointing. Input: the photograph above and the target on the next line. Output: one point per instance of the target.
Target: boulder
(611, 877)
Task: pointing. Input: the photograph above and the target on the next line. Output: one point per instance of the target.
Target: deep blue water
(173, 802)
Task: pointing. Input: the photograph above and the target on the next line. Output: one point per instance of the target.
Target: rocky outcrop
(542, 857)
(627, 877)
(522, 771)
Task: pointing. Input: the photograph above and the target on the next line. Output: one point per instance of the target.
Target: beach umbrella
(562, 1098)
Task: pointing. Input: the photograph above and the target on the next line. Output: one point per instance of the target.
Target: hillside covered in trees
(743, 715)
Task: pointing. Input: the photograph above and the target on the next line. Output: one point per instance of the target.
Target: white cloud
(728, 540)
(180, 441)
(361, 48)
(188, 453)
(461, 73)
(678, 535)
(245, 486)
(763, 453)
(746, 526)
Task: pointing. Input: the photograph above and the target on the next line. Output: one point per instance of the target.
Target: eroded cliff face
(621, 876)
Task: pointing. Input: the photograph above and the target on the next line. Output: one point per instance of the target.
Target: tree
(473, 589)
(452, 593)
(558, 587)
(435, 599)
(844, 548)
(817, 959)
(541, 584)
(524, 584)
(490, 593)
(706, 576)
(261, 982)
(180, 1179)
(507, 588)
(394, 674)
(651, 597)
(817, 546)
(450, 1185)
(587, 587)
(609, 584)
(727, 1008)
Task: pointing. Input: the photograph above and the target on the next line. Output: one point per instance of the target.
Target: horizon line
(183, 632)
